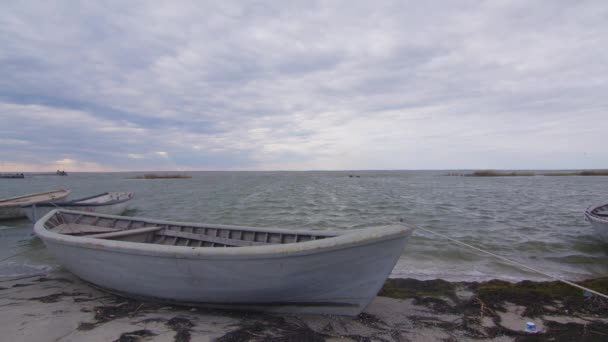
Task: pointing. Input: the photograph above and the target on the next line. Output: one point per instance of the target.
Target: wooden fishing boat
(598, 217)
(259, 269)
(10, 208)
(113, 203)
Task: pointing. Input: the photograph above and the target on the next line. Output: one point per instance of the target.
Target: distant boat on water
(10, 208)
(218, 266)
(113, 203)
(12, 175)
(598, 217)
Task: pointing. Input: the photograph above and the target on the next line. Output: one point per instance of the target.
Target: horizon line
(318, 170)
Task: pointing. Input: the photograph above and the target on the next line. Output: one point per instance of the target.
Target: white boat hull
(329, 282)
(336, 275)
(110, 203)
(599, 221)
(35, 212)
(10, 208)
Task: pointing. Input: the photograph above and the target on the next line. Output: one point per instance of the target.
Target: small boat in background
(217, 266)
(113, 203)
(10, 208)
(598, 217)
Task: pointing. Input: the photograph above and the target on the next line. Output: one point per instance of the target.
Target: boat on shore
(113, 203)
(10, 208)
(218, 266)
(598, 217)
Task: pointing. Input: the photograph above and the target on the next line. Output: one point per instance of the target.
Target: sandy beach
(60, 307)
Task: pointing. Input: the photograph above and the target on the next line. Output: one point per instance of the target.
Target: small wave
(10, 270)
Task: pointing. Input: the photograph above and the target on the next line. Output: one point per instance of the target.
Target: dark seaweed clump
(134, 336)
(107, 313)
(274, 329)
(535, 296)
(412, 288)
(58, 296)
(182, 327)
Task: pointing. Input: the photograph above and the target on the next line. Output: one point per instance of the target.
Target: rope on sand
(519, 264)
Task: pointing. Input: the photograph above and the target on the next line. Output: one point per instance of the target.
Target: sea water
(534, 220)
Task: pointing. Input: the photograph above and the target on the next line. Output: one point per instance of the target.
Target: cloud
(327, 85)
(17, 142)
(65, 161)
(70, 165)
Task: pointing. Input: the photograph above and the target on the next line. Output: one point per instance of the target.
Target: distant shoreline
(493, 173)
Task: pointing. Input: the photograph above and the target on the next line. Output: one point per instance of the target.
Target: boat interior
(134, 230)
(601, 211)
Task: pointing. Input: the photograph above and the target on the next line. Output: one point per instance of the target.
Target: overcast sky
(126, 85)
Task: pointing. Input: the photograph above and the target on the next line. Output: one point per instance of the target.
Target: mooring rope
(513, 262)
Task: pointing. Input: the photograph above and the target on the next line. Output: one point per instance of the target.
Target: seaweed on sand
(536, 296)
(105, 313)
(412, 288)
(493, 294)
(182, 327)
(275, 329)
(135, 336)
(53, 298)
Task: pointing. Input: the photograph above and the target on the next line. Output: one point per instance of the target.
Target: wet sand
(60, 307)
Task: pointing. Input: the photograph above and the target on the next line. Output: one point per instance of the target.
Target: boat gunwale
(75, 203)
(4, 202)
(334, 241)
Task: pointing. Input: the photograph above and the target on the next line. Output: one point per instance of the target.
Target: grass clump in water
(580, 173)
(492, 173)
(594, 173)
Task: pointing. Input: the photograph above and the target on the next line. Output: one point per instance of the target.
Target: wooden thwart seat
(125, 232)
(215, 239)
(77, 228)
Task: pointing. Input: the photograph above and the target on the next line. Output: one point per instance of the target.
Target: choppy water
(535, 220)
